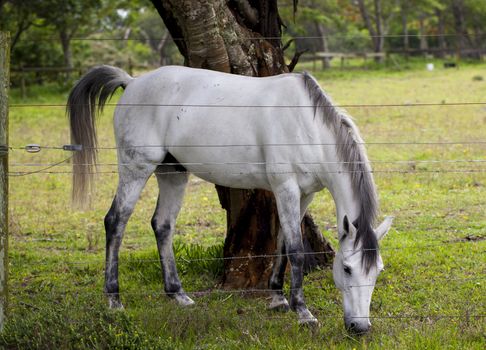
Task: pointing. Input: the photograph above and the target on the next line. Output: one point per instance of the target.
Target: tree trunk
(321, 32)
(66, 50)
(380, 39)
(229, 36)
(424, 45)
(163, 59)
(406, 39)
(441, 29)
(460, 26)
(376, 33)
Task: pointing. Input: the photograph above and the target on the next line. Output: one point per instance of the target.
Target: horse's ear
(349, 229)
(384, 227)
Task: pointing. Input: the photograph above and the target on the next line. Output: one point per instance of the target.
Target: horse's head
(355, 281)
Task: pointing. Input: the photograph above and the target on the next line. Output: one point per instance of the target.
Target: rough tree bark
(239, 37)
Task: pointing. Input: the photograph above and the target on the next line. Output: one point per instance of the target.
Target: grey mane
(351, 151)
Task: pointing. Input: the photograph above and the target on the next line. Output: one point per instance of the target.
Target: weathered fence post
(4, 85)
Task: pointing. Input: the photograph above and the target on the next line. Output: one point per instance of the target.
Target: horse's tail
(99, 84)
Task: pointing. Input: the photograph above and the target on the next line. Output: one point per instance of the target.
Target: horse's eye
(347, 270)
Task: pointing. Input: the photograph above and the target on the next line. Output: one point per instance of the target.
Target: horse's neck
(338, 179)
(347, 203)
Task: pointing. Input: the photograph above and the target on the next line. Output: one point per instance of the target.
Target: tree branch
(286, 46)
(22, 27)
(295, 60)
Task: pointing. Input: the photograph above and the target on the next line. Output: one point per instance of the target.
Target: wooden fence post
(4, 85)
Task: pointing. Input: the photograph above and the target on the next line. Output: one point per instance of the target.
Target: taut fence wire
(168, 173)
(201, 105)
(34, 148)
(327, 36)
(422, 247)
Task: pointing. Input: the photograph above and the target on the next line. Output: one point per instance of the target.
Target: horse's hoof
(311, 323)
(279, 303)
(306, 319)
(115, 304)
(279, 307)
(183, 300)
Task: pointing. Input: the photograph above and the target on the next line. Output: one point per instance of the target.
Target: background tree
(143, 24)
(240, 37)
(468, 23)
(68, 17)
(421, 11)
(376, 16)
(16, 16)
(318, 20)
(336, 25)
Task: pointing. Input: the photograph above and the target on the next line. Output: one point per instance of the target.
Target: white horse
(280, 133)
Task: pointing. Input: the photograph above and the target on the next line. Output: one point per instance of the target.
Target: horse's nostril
(357, 328)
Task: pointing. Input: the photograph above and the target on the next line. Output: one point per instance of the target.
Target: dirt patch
(468, 238)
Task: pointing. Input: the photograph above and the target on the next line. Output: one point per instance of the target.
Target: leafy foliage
(334, 25)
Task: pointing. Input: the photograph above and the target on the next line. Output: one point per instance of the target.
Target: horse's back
(201, 86)
(231, 122)
(176, 100)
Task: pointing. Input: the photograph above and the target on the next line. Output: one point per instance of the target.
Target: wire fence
(411, 286)
(252, 314)
(234, 168)
(405, 162)
(476, 277)
(34, 148)
(278, 106)
(240, 173)
(268, 291)
(327, 36)
(423, 247)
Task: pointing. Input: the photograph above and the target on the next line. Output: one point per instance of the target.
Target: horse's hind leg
(130, 185)
(171, 192)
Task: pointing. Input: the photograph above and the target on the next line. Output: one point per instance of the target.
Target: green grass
(432, 268)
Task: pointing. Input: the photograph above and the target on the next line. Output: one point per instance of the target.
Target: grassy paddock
(432, 287)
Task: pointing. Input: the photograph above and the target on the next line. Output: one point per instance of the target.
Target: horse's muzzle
(357, 326)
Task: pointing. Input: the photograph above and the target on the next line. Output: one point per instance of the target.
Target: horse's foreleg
(289, 208)
(130, 185)
(171, 187)
(276, 282)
